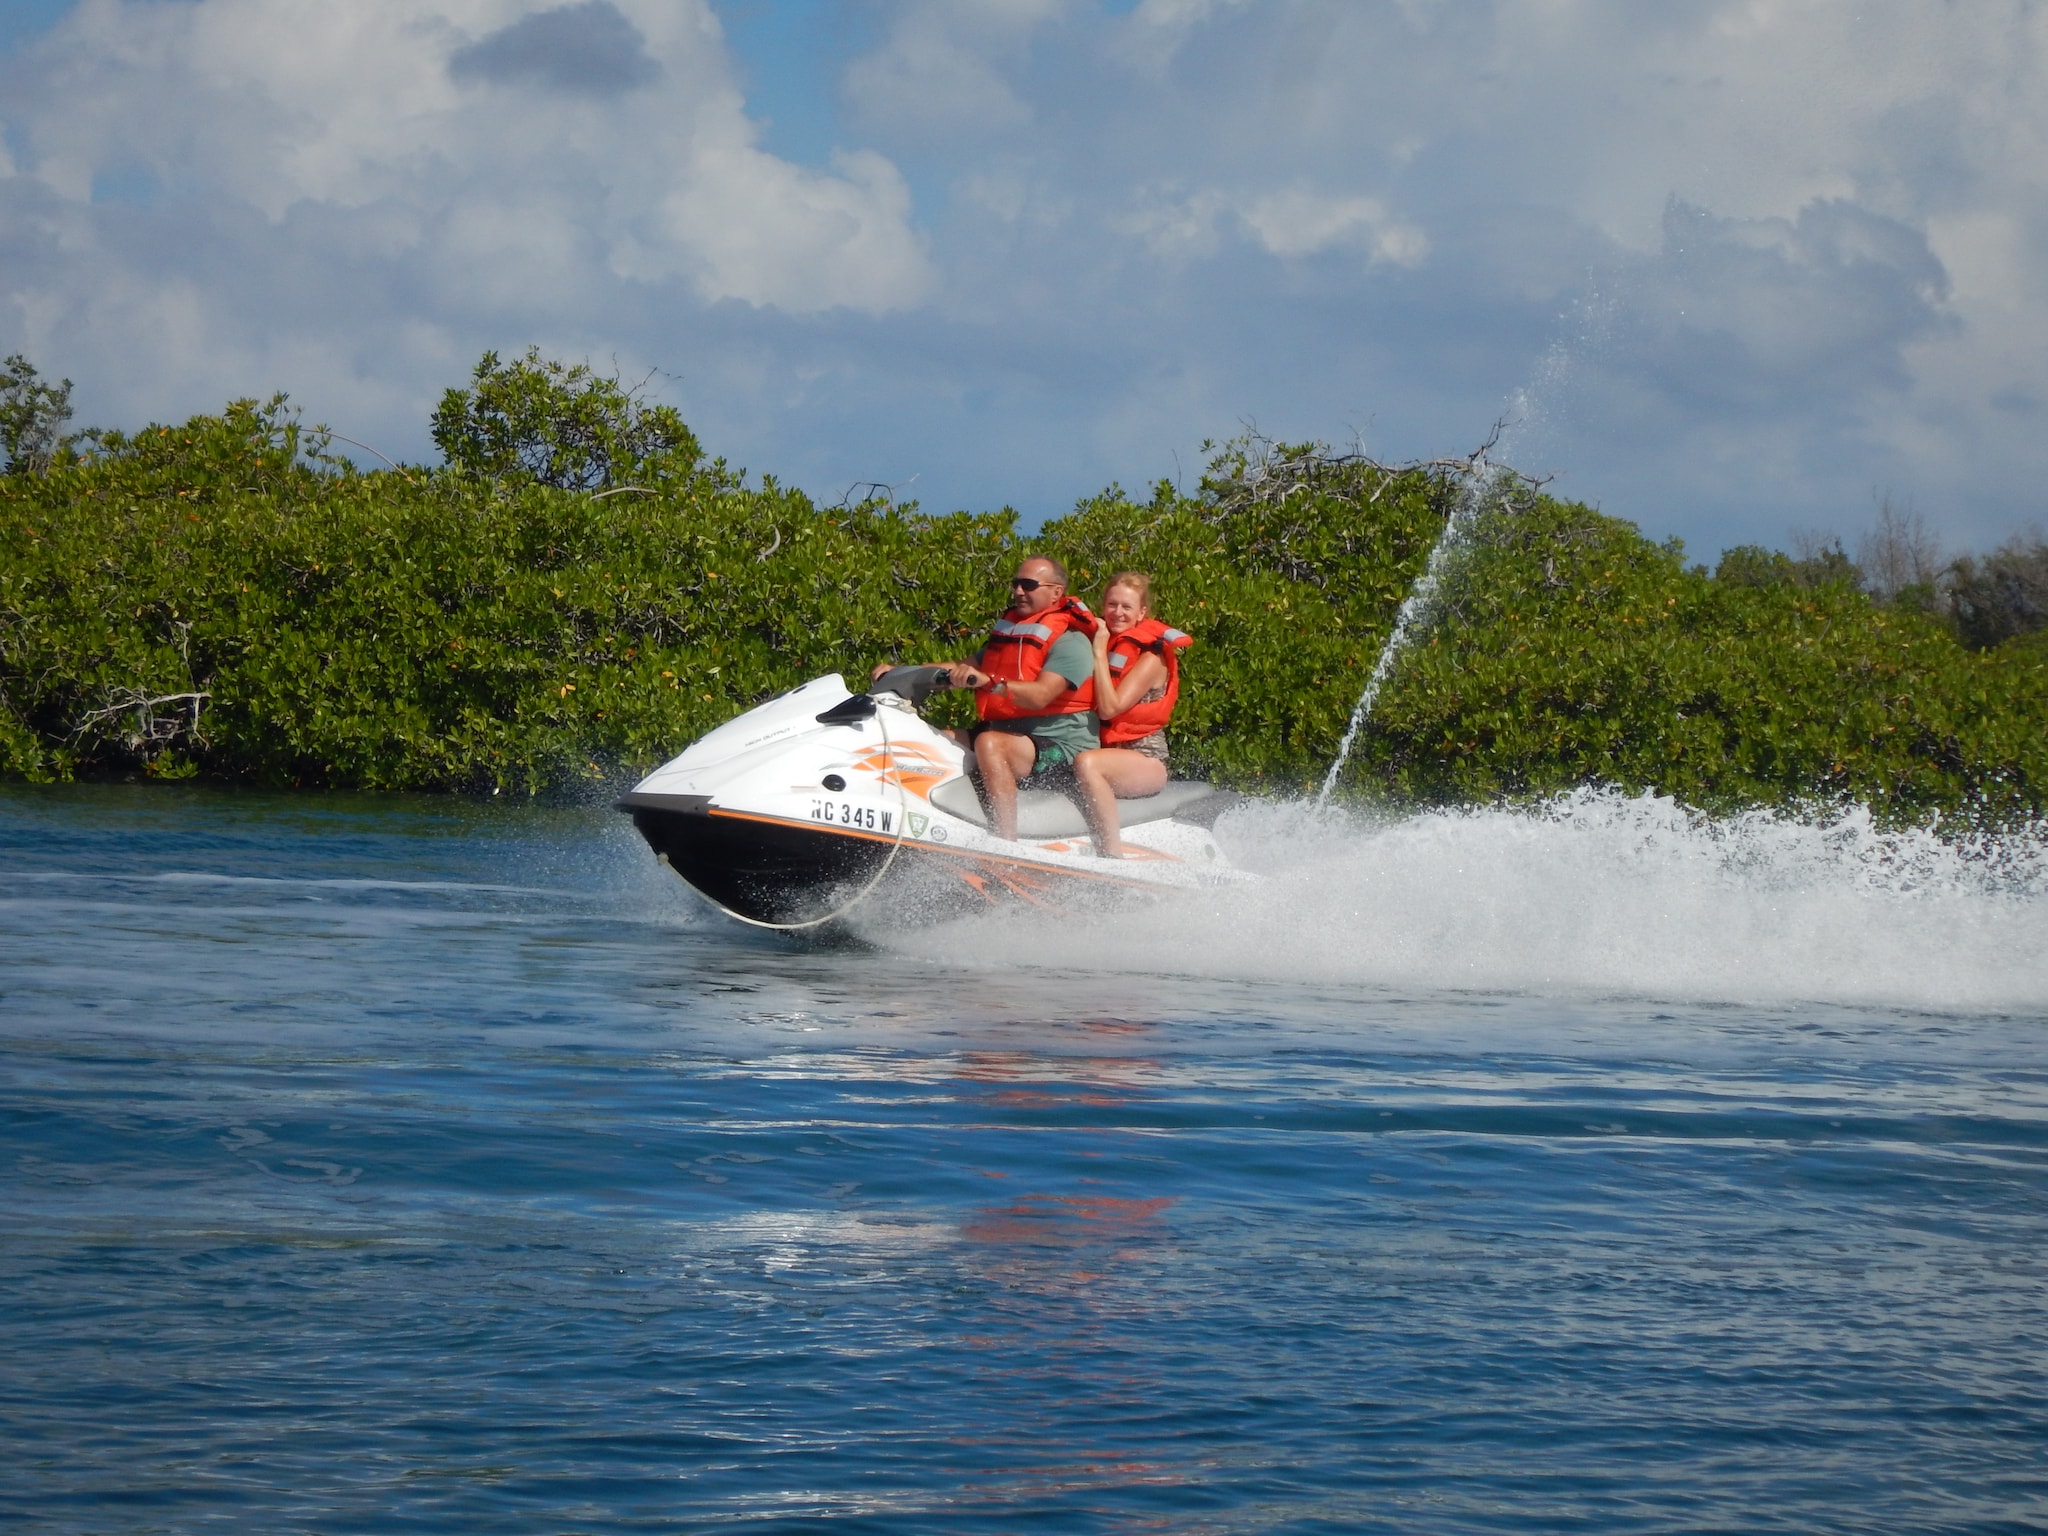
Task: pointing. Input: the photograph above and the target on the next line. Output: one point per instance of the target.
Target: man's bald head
(1048, 580)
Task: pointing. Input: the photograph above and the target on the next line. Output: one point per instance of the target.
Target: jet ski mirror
(849, 711)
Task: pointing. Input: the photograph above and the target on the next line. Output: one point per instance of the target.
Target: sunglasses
(1029, 584)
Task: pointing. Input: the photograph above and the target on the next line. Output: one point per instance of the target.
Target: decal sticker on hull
(910, 764)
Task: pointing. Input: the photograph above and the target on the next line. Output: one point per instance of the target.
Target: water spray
(1476, 482)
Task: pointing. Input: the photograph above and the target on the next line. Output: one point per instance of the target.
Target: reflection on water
(403, 1164)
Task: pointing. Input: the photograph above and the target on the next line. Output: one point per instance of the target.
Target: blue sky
(1732, 268)
(23, 19)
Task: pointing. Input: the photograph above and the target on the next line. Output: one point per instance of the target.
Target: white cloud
(1720, 239)
(1175, 224)
(1017, 196)
(1857, 270)
(941, 68)
(1156, 28)
(1180, 225)
(1810, 319)
(1300, 223)
(752, 228)
(639, 155)
(1179, 13)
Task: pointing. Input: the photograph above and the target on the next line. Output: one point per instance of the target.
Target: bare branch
(150, 730)
(337, 437)
(872, 490)
(1901, 551)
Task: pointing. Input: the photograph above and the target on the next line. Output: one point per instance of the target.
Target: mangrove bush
(578, 592)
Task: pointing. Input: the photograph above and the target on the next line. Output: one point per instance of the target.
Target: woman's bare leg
(1109, 774)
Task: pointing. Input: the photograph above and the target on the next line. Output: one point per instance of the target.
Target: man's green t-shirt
(1073, 657)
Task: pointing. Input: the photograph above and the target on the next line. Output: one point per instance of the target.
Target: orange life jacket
(1141, 720)
(1016, 653)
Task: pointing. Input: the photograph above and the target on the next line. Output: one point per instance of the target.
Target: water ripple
(387, 1165)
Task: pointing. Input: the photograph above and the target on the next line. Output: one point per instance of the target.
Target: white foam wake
(1600, 893)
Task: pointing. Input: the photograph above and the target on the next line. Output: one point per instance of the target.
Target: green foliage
(432, 630)
(222, 598)
(1287, 565)
(1577, 651)
(32, 417)
(1752, 565)
(541, 422)
(2003, 596)
(248, 448)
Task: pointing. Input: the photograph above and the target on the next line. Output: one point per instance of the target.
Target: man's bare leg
(1005, 757)
(1106, 775)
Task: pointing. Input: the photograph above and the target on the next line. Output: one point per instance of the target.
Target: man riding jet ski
(824, 802)
(1034, 688)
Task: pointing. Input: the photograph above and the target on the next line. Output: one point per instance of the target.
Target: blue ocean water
(412, 1165)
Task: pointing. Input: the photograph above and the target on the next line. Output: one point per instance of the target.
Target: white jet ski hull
(787, 820)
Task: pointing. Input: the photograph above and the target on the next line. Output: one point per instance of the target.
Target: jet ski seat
(1043, 813)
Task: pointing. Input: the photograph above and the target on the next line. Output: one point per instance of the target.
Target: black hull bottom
(779, 872)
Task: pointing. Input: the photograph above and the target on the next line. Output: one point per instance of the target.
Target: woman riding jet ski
(826, 802)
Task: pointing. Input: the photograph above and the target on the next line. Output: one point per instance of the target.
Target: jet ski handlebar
(913, 685)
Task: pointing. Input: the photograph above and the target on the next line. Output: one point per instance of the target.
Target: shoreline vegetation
(578, 592)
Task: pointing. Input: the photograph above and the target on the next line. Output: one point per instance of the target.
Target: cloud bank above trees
(1738, 265)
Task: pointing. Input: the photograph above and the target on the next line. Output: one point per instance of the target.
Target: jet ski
(825, 803)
